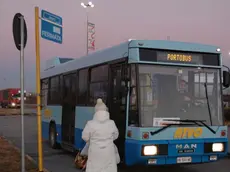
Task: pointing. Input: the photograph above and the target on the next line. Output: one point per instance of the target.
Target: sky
(201, 21)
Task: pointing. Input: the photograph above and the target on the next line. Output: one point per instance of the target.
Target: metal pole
(38, 90)
(87, 36)
(22, 92)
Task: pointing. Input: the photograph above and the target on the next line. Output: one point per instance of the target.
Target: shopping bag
(80, 161)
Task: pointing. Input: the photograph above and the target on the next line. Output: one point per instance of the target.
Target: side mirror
(226, 79)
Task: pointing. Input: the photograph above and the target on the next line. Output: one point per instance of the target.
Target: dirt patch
(10, 159)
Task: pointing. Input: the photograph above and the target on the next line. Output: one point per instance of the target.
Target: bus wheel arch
(53, 135)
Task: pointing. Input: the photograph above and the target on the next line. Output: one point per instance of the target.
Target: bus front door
(117, 106)
(68, 111)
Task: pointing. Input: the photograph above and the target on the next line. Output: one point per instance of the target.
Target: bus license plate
(184, 159)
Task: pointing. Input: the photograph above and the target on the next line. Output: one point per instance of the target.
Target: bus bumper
(174, 152)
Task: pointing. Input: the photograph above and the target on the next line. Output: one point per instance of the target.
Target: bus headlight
(217, 147)
(13, 104)
(150, 150)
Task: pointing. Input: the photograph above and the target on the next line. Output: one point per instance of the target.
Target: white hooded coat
(100, 133)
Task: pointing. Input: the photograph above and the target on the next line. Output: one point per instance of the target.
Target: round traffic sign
(17, 31)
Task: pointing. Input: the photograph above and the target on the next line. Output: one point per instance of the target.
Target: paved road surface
(59, 161)
(12, 111)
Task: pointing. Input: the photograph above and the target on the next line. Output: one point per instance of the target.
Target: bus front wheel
(53, 136)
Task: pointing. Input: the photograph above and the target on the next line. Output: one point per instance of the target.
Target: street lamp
(89, 4)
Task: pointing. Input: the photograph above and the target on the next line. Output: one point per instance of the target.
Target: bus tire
(53, 136)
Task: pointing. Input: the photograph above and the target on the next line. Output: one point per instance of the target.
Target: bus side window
(83, 87)
(54, 84)
(98, 84)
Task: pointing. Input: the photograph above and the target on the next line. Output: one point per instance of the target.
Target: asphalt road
(59, 161)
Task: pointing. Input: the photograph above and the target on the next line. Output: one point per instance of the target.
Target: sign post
(20, 39)
(37, 47)
(52, 30)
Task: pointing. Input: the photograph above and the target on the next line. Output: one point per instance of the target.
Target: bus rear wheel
(53, 137)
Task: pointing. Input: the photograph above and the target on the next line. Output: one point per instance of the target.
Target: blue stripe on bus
(133, 150)
(168, 134)
(82, 115)
(45, 131)
(55, 114)
(79, 143)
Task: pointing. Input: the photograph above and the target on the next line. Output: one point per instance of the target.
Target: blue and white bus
(164, 96)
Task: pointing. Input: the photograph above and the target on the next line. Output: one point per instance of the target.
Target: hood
(101, 116)
(100, 106)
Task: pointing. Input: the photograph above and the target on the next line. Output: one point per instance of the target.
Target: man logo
(187, 146)
(179, 147)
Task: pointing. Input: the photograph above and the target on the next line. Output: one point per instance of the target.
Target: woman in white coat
(100, 134)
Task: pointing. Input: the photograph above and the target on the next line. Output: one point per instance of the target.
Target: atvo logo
(182, 133)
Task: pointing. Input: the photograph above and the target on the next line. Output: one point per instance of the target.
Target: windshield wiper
(167, 126)
(186, 122)
(206, 95)
(197, 122)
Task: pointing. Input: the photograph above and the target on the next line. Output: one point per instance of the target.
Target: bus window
(53, 99)
(82, 87)
(98, 90)
(99, 73)
(98, 84)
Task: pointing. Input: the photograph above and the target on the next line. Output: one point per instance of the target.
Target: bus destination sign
(179, 57)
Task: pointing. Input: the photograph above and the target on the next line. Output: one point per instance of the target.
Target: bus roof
(121, 51)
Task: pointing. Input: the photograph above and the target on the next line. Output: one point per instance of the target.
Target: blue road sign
(51, 32)
(51, 27)
(51, 17)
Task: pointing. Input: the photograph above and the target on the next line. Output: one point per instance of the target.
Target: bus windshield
(180, 93)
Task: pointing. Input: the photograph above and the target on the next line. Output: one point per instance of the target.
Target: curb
(26, 155)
